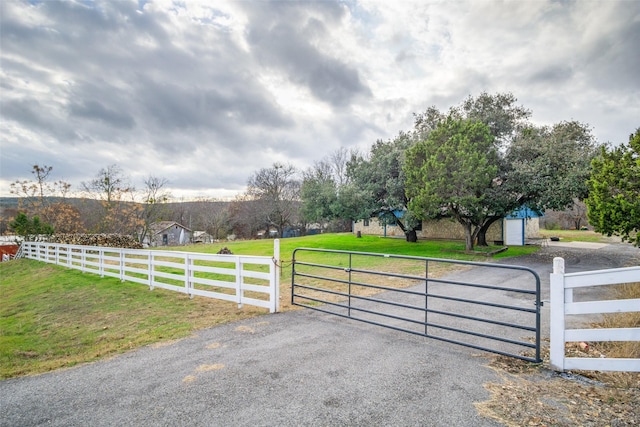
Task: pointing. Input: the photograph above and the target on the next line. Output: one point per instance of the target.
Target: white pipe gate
(477, 314)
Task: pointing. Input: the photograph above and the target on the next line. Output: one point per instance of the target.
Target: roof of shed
(160, 226)
(524, 212)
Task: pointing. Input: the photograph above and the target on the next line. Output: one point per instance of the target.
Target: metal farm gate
(485, 306)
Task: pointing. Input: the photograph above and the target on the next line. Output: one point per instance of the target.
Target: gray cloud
(552, 74)
(94, 110)
(283, 37)
(205, 94)
(214, 107)
(613, 59)
(33, 115)
(27, 112)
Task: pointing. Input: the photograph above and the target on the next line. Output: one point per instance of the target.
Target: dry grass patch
(207, 368)
(533, 395)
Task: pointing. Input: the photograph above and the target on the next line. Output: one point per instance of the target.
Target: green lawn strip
(574, 235)
(53, 317)
(349, 242)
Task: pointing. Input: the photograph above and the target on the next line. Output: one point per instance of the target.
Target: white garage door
(515, 232)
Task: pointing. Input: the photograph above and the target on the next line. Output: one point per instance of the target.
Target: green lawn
(349, 242)
(52, 317)
(575, 235)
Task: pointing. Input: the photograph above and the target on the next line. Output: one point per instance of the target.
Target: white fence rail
(562, 304)
(242, 279)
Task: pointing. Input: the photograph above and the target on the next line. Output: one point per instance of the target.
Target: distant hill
(9, 202)
(189, 213)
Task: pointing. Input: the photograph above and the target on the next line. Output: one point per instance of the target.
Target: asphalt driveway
(296, 368)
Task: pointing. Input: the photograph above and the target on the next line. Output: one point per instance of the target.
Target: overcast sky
(206, 93)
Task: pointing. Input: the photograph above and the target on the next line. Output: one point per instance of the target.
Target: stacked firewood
(108, 240)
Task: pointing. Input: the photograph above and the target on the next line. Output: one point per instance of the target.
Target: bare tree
(155, 198)
(46, 199)
(338, 162)
(246, 216)
(213, 217)
(278, 189)
(576, 214)
(119, 213)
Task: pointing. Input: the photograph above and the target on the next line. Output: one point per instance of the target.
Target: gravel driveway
(287, 369)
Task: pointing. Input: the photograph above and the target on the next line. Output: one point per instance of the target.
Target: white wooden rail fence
(237, 278)
(562, 304)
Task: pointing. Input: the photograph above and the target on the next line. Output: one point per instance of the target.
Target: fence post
(557, 317)
(274, 292)
(122, 262)
(101, 262)
(151, 267)
(187, 271)
(239, 281)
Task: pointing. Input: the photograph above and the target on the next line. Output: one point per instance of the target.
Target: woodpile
(107, 240)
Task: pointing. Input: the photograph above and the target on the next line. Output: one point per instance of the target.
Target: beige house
(513, 230)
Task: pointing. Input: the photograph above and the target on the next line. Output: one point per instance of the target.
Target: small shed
(168, 233)
(202, 237)
(520, 225)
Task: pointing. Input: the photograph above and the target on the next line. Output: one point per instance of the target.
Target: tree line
(474, 163)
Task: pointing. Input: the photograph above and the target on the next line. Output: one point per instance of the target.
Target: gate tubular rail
(315, 302)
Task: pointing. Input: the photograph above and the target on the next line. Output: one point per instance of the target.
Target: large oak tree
(539, 167)
(449, 174)
(380, 181)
